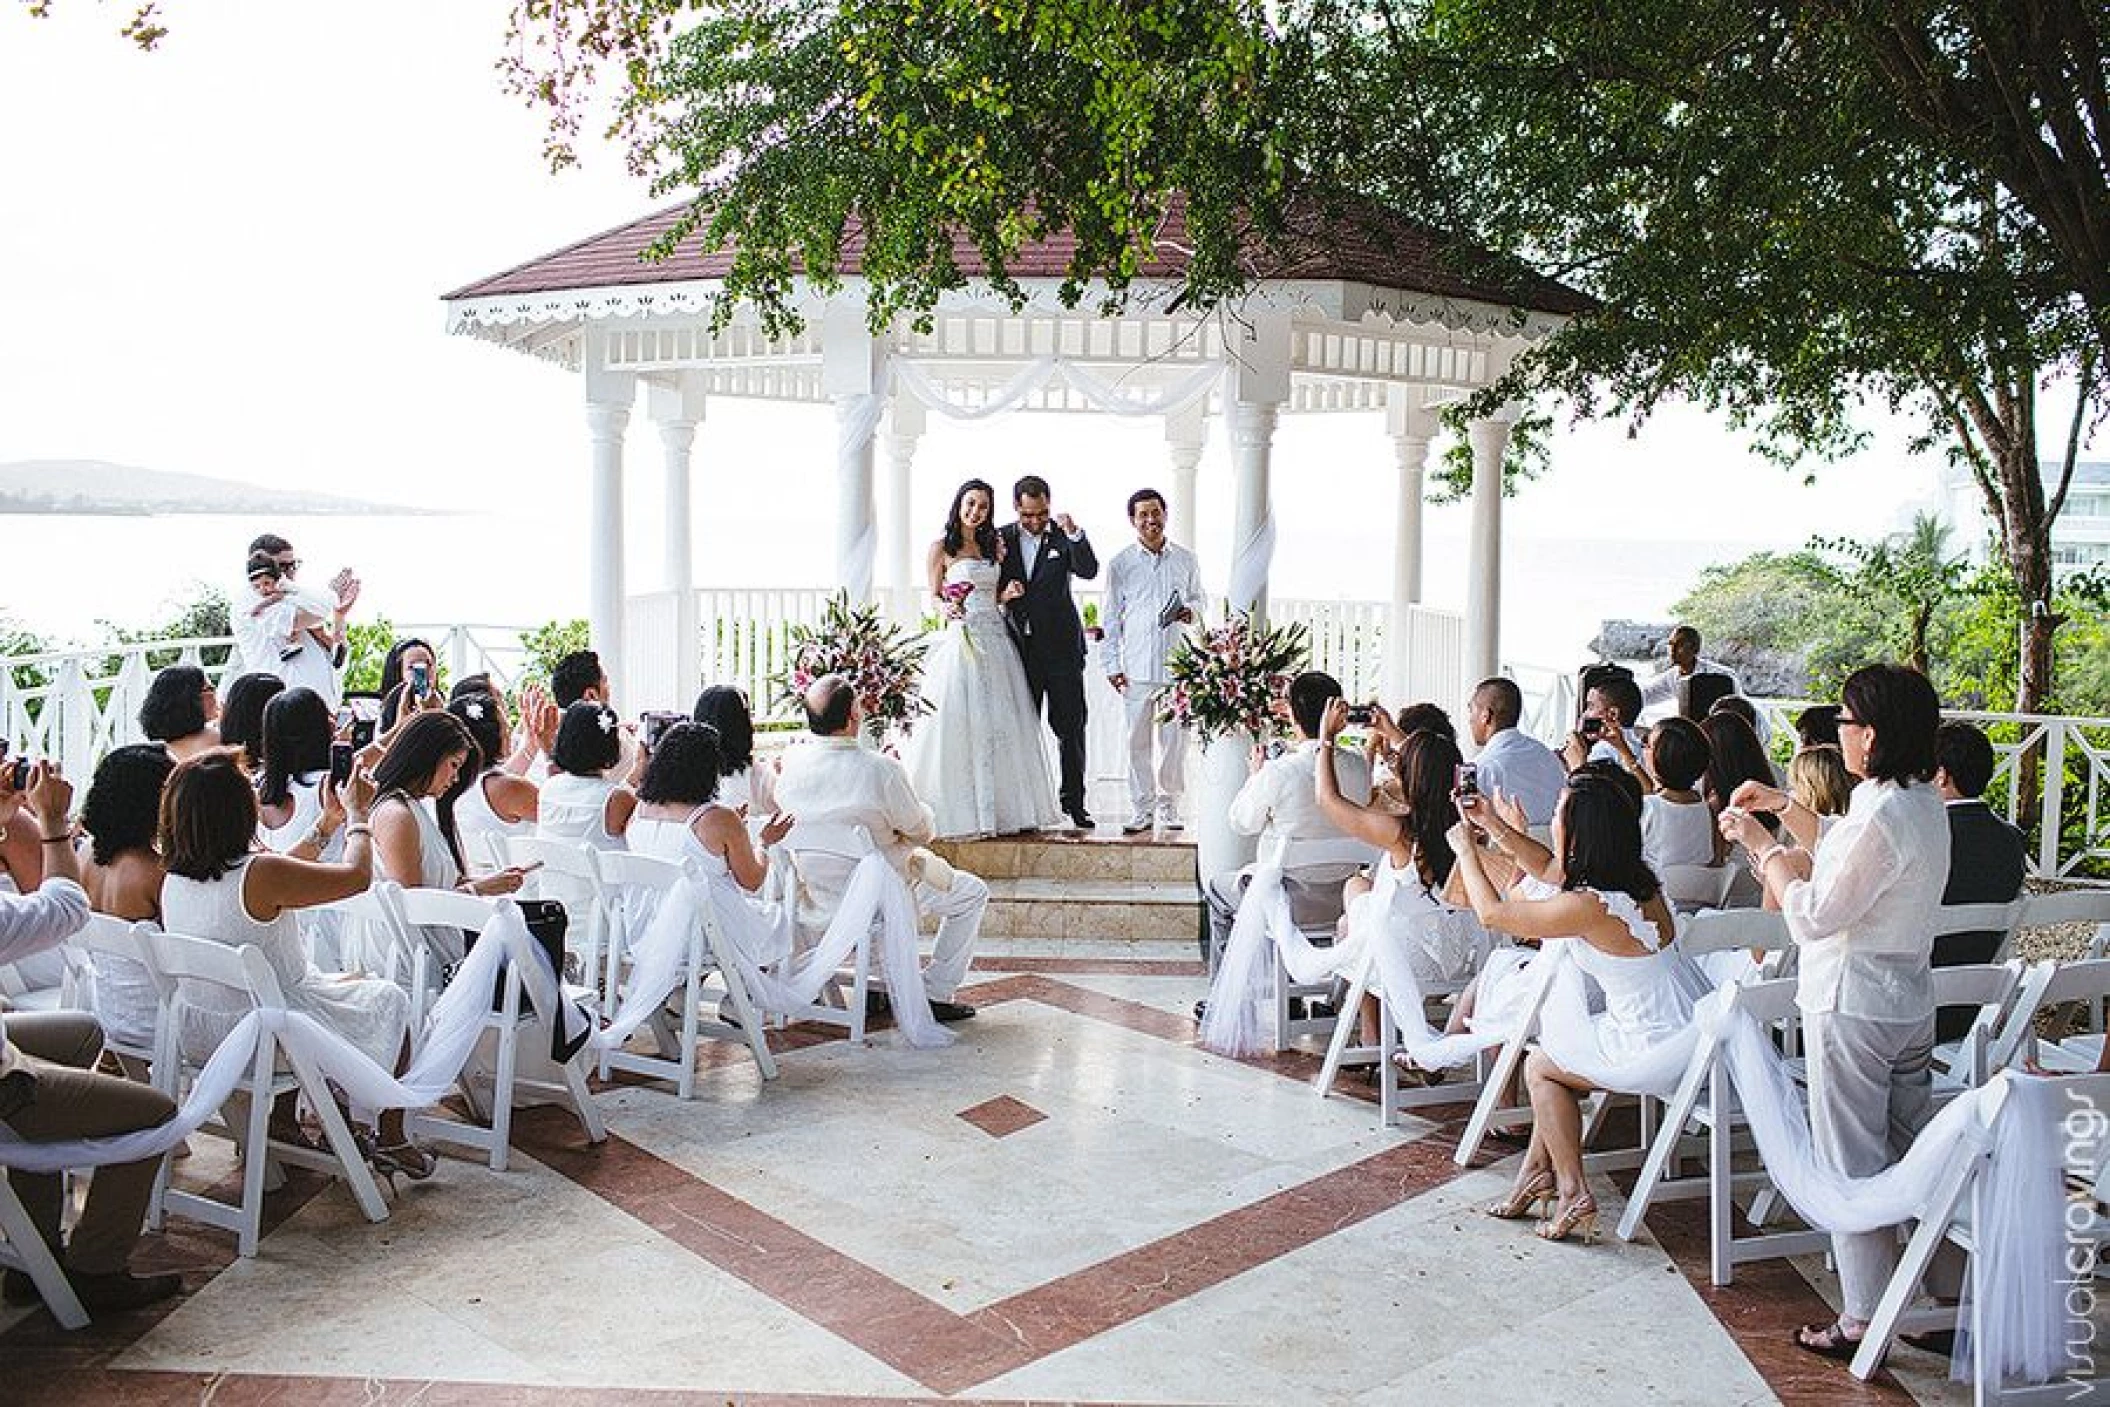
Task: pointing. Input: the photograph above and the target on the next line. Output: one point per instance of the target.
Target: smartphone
(1592, 727)
(1359, 715)
(653, 724)
(365, 711)
(530, 867)
(1466, 779)
(20, 781)
(420, 680)
(341, 762)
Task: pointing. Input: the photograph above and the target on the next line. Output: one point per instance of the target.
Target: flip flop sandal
(1827, 1341)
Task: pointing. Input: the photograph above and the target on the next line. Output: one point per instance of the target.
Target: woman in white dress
(217, 888)
(496, 804)
(744, 784)
(584, 800)
(1677, 824)
(979, 762)
(123, 875)
(1610, 913)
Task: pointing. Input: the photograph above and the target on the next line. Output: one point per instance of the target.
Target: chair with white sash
(823, 855)
(99, 947)
(1393, 1099)
(571, 874)
(22, 994)
(23, 1248)
(1690, 888)
(370, 934)
(1966, 1062)
(1961, 1206)
(1489, 1111)
(1301, 858)
(517, 1008)
(1704, 1101)
(246, 973)
(627, 878)
(2056, 987)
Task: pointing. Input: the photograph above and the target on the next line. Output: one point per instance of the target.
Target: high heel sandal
(1579, 1215)
(1523, 1201)
(407, 1159)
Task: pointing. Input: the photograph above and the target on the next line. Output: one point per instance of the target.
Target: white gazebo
(1373, 315)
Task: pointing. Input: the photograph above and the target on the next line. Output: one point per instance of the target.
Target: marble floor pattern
(1073, 1204)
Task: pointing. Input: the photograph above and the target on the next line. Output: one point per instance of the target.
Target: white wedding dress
(979, 760)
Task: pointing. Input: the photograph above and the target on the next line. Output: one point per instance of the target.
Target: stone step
(1094, 910)
(1110, 858)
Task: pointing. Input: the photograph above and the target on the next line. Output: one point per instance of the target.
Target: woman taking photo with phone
(415, 841)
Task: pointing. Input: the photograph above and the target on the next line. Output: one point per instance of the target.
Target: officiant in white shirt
(1153, 593)
(832, 778)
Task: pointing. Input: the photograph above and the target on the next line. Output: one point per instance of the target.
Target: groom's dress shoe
(1082, 819)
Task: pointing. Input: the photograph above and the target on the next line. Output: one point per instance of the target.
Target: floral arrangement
(1229, 678)
(883, 662)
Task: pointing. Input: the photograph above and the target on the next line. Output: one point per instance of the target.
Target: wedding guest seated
(745, 783)
(1736, 756)
(682, 816)
(1409, 878)
(49, 1091)
(122, 877)
(218, 888)
(1608, 901)
(584, 799)
(1511, 762)
(297, 732)
(179, 710)
(1426, 718)
(415, 841)
(408, 674)
(1817, 726)
(496, 802)
(1677, 824)
(1280, 802)
(579, 676)
(1818, 778)
(242, 716)
(1659, 697)
(1606, 732)
(1987, 855)
(832, 779)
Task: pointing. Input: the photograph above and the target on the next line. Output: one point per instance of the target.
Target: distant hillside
(96, 487)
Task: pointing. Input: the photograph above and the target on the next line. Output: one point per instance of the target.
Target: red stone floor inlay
(1002, 1116)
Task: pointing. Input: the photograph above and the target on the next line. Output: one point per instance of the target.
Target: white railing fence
(88, 700)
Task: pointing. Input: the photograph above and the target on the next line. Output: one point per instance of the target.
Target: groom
(1034, 586)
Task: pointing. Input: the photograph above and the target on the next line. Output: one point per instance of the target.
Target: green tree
(1913, 574)
(1786, 208)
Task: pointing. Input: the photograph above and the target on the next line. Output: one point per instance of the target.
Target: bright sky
(226, 257)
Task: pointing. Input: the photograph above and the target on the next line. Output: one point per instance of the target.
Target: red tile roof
(1360, 244)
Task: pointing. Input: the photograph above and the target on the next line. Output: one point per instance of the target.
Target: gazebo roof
(1362, 243)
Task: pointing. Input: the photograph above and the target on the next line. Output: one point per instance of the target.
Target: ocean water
(64, 574)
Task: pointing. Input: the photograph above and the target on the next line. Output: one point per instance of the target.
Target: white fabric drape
(1106, 396)
(874, 893)
(856, 423)
(1249, 567)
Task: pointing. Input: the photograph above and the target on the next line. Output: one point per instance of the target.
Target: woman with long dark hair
(1860, 899)
(1609, 911)
(742, 782)
(408, 660)
(979, 762)
(296, 736)
(496, 803)
(242, 716)
(425, 769)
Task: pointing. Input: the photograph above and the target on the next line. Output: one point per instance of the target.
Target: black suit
(1051, 640)
(1986, 864)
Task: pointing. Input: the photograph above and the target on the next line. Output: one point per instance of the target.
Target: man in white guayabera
(282, 629)
(1153, 592)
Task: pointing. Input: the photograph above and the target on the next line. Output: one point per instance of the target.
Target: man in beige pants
(49, 1092)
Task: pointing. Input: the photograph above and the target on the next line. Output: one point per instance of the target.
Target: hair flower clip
(473, 711)
(608, 720)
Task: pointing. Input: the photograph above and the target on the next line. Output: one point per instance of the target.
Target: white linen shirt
(1281, 800)
(1659, 697)
(1138, 584)
(1865, 917)
(839, 782)
(31, 923)
(269, 644)
(1524, 769)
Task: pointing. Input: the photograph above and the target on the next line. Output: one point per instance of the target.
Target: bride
(979, 762)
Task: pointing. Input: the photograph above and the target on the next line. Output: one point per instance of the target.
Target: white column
(605, 423)
(679, 409)
(856, 531)
(1483, 585)
(1411, 428)
(1252, 516)
(1186, 434)
(898, 561)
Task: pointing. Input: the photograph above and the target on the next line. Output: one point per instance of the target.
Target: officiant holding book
(1153, 593)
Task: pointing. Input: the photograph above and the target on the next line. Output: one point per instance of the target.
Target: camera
(341, 762)
(1467, 779)
(652, 725)
(1592, 728)
(1359, 715)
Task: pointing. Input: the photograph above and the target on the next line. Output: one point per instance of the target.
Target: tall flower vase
(1226, 763)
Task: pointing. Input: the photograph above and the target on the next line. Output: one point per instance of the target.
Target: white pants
(1871, 1090)
(1153, 781)
(958, 910)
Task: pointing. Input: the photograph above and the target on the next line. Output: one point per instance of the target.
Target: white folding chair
(1393, 1100)
(23, 1249)
(246, 973)
(1965, 1063)
(823, 855)
(1688, 888)
(2004, 919)
(374, 935)
(2072, 906)
(571, 874)
(1488, 1111)
(2048, 986)
(1705, 1101)
(451, 908)
(1307, 857)
(21, 994)
(628, 878)
(90, 955)
(1954, 1214)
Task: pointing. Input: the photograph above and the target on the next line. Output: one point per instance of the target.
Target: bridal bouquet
(1228, 679)
(883, 662)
